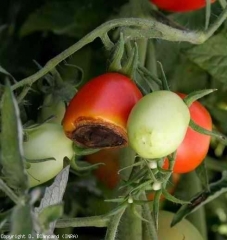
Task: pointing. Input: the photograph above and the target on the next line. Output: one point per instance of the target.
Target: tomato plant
(97, 115)
(46, 141)
(108, 173)
(194, 147)
(109, 113)
(171, 186)
(157, 124)
(183, 230)
(180, 5)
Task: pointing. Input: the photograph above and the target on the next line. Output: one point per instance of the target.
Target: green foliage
(11, 143)
(211, 56)
(43, 29)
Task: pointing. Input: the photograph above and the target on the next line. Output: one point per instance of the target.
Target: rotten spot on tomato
(95, 133)
(97, 115)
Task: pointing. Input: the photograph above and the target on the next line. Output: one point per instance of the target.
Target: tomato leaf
(171, 198)
(11, 143)
(202, 198)
(66, 17)
(53, 195)
(2, 70)
(21, 220)
(211, 56)
(202, 174)
(4, 216)
(50, 214)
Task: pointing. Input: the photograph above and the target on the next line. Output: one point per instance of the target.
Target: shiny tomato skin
(46, 141)
(194, 147)
(180, 5)
(157, 124)
(107, 98)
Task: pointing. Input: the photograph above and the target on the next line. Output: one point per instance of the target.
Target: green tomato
(53, 106)
(184, 230)
(46, 141)
(157, 124)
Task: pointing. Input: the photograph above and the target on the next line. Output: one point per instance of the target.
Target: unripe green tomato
(53, 106)
(157, 124)
(183, 230)
(46, 141)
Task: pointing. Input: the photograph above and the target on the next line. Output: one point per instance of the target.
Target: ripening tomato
(180, 5)
(108, 173)
(97, 115)
(184, 230)
(194, 147)
(157, 124)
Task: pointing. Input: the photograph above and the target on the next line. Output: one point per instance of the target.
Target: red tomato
(106, 174)
(194, 147)
(180, 5)
(97, 115)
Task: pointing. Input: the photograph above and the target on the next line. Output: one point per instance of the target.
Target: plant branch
(113, 225)
(143, 28)
(150, 225)
(96, 221)
(8, 191)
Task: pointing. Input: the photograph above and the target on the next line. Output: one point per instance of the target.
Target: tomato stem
(112, 227)
(9, 192)
(143, 28)
(208, 13)
(95, 221)
(150, 229)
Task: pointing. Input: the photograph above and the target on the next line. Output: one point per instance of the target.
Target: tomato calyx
(97, 133)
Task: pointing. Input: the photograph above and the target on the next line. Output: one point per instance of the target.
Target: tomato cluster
(180, 5)
(109, 111)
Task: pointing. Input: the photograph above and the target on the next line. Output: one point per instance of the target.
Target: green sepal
(115, 65)
(192, 97)
(204, 131)
(81, 151)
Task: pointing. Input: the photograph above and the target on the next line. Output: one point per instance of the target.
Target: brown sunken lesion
(97, 133)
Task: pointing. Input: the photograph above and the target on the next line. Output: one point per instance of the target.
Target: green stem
(147, 29)
(96, 221)
(113, 225)
(208, 13)
(8, 192)
(150, 231)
